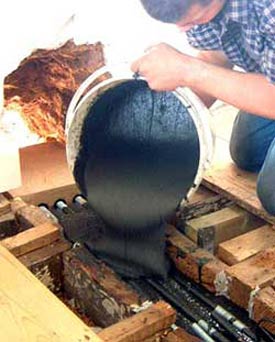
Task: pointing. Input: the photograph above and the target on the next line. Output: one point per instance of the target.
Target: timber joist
(226, 248)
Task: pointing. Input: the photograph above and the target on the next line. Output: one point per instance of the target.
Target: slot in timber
(247, 245)
(4, 205)
(157, 318)
(210, 230)
(237, 185)
(97, 290)
(264, 307)
(30, 312)
(250, 275)
(32, 239)
(198, 264)
(8, 225)
(46, 264)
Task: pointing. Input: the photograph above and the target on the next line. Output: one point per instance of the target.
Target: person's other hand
(164, 68)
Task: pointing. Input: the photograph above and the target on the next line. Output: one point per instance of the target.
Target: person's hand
(164, 68)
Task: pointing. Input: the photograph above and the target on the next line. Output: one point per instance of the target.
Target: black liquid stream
(138, 159)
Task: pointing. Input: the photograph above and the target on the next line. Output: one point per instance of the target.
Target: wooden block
(30, 312)
(8, 225)
(201, 195)
(247, 245)
(4, 205)
(264, 307)
(157, 318)
(32, 239)
(97, 291)
(28, 215)
(196, 263)
(179, 335)
(249, 275)
(46, 264)
(210, 230)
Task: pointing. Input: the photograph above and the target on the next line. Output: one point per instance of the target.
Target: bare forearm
(247, 91)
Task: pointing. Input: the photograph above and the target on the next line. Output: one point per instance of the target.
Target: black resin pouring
(138, 158)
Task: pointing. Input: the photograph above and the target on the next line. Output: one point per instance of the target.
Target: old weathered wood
(139, 327)
(210, 273)
(264, 307)
(210, 230)
(191, 260)
(179, 335)
(32, 239)
(203, 207)
(237, 185)
(4, 205)
(46, 264)
(97, 291)
(8, 225)
(254, 273)
(28, 215)
(247, 245)
(30, 312)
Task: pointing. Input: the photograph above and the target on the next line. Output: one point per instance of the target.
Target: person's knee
(266, 194)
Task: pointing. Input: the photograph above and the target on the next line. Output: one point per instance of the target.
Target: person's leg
(250, 141)
(266, 181)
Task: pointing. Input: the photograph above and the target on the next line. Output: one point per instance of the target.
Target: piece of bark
(32, 239)
(46, 264)
(44, 83)
(250, 275)
(141, 326)
(97, 291)
(27, 215)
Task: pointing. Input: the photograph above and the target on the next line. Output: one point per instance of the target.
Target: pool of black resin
(138, 159)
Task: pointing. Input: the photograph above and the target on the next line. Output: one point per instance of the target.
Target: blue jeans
(252, 148)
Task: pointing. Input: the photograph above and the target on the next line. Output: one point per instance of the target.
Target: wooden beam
(247, 245)
(196, 263)
(4, 205)
(32, 239)
(46, 264)
(264, 307)
(254, 273)
(179, 335)
(30, 312)
(139, 327)
(28, 215)
(96, 289)
(209, 230)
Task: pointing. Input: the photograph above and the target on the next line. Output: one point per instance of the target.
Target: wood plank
(43, 167)
(209, 230)
(264, 307)
(238, 185)
(4, 205)
(247, 245)
(193, 261)
(28, 215)
(254, 273)
(32, 239)
(201, 195)
(141, 326)
(30, 312)
(97, 290)
(46, 264)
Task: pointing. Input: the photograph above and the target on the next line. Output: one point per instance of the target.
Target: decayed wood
(238, 185)
(253, 273)
(139, 327)
(191, 260)
(97, 291)
(210, 230)
(32, 239)
(8, 225)
(30, 312)
(264, 307)
(179, 335)
(28, 215)
(209, 274)
(46, 264)
(247, 245)
(203, 207)
(4, 205)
